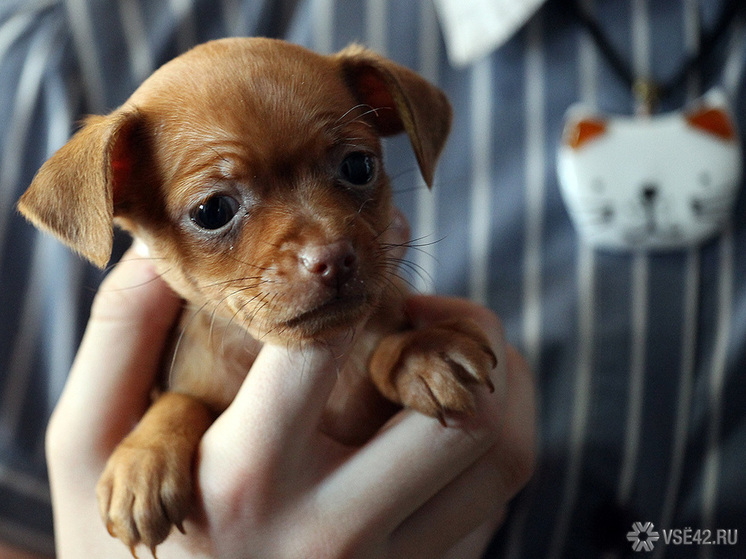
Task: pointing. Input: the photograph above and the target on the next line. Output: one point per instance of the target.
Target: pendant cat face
(650, 183)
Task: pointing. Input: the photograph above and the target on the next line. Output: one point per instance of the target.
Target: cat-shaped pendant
(651, 183)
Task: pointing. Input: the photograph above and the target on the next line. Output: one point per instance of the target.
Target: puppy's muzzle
(331, 264)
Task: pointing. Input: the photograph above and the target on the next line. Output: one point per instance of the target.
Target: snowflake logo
(642, 536)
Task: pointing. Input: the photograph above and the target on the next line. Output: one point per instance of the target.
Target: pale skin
(270, 484)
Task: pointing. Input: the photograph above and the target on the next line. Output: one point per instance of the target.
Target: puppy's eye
(357, 168)
(215, 212)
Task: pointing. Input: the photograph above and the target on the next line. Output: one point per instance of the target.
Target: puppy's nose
(332, 264)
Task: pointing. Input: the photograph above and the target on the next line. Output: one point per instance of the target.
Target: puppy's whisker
(231, 294)
(418, 242)
(263, 302)
(388, 226)
(413, 244)
(158, 275)
(411, 186)
(413, 269)
(247, 302)
(265, 242)
(386, 282)
(396, 269)
(220, 155)
(135, 285)
(237, 312)
(358, 106)
(247, 264)
(226, 298)
(248, 319)
(211, 330)
(372, 111)
(401, 174)
(359, 117)
(403, 260)
(409, 189)
(231, 281)
(109, 267)
(268, 303)
(180, 338)
(362, 205)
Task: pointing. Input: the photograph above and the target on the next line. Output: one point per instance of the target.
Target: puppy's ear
(400, 100)
(73, 194)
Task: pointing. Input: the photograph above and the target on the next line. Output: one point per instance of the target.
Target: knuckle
(56, 440)
(517, 470)
(352, 546)
(488, 321)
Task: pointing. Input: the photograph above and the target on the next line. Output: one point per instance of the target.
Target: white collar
(474, 28)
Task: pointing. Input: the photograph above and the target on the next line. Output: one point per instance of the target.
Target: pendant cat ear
(713, 121)
(713, 117)
(579, 132)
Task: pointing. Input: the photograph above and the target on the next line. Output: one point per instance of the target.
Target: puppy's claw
(110, 528)
(491, 354)
(428, 389)
(132, 551)
(152, 550)
(180, 527)
(438, 411)
(433, 370)
(490, 385)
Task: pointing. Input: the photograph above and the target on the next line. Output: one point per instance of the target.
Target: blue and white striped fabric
(640, 359)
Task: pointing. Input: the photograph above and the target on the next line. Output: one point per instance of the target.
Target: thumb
(119, 358)
(277, 411)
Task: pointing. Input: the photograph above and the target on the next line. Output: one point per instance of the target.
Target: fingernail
(140, 248)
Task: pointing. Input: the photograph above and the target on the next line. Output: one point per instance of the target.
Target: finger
(119, 357)
(450, 515)
(277, 411)
(396, 235)
(475, 543)
(405, 466)
(485, 487)
(414, 457)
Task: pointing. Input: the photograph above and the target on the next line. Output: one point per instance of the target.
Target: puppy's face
(276, 207)
(253, 171)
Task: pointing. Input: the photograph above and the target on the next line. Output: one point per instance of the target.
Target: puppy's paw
(433, 370)
(146, 488)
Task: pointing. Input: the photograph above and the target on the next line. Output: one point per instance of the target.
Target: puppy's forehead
(233, 84)
(255, 104)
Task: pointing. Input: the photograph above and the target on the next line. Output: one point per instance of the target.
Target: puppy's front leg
(146, 486)
(433, 369)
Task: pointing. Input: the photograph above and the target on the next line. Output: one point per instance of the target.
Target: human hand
(270, 484)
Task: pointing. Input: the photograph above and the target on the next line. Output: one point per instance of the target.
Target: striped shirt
(639, 357)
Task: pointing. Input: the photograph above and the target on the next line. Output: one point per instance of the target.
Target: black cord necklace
(650, 92)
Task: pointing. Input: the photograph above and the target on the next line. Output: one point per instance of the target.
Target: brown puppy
(252, 170)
